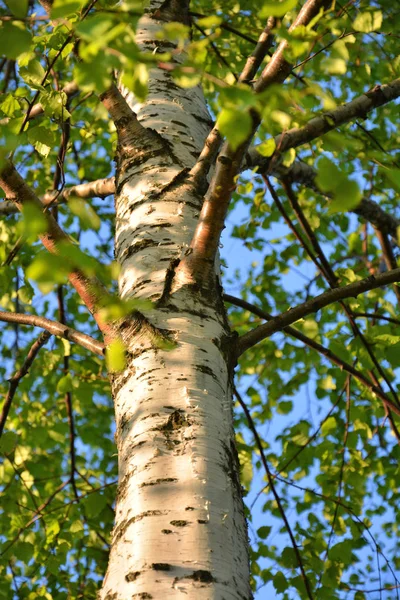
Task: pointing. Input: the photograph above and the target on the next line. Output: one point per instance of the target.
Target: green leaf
(42, 138)
(393, 176)
(24, 551)
(19, 8)
(280, 582)
(329, 426)
(64, 8)
(92, 76)
(15, 39)
(10, 105)
(8, 441)
(276, 8)
(65, 384)
(347, 195)
(94, 504)
(235, 125)
(88, 218)
(264, 531)
(266, 148)
(34, 222)
(115, 356)
(334, 66)
(47, 270)
(368, 21)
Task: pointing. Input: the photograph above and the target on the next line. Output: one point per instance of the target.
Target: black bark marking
(158, 481)
(161, 566)
(132, 576)
(179, 523)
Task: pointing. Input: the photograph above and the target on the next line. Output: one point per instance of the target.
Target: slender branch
(327, 121)
(388, 257)
(275, 493)
(315, 346)
(377, 316)
(263, 45)
(16, 378)
(314, 305)
(89, 289)
(300, 172)
(278, 68)
(55, 328)
(100, 188)
(198, 263)
(332, 279)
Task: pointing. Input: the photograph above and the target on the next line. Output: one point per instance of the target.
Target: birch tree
(146, 394)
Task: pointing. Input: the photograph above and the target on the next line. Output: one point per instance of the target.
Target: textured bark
(179, 529)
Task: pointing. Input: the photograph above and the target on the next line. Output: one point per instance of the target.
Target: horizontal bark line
(311, 306)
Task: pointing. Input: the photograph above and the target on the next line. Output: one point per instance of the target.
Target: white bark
(179, 530)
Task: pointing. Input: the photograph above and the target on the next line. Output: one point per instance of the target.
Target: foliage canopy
(322, 474)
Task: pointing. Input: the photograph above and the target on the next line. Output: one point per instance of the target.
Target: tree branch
(278, 68)
(16, 378)
(275, 493)
(311, 306)
(198, 263)
(327, 121)
(125, 120)
(90, 289)
(315, 346)
(100, 188)
(55, 328)
(369, 210)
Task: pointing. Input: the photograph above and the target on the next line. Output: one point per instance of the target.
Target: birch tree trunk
(180, 529)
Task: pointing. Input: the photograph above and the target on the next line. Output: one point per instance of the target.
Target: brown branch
(334, 358)
(292, 315)
(198, 263)
(16, 378)
(278, 68)
(125, 120)
(55, 328)
(263, 45)
(100, 188)
(90, 289)
(275, 493)
(327, 121)
(377, 316)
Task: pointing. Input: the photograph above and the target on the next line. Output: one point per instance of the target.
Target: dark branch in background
(90, 289)
(314, 305)
(388, 256)
(300, 172)
(198, 264)
(55, 328)
(315, 346)
(327, 272)
(16, 378)
(327, 121)
(275, 493)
